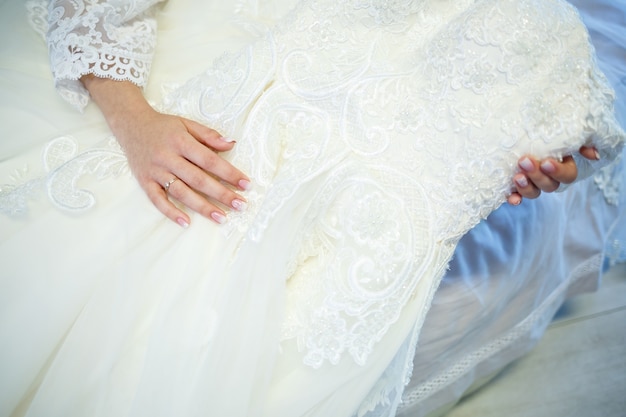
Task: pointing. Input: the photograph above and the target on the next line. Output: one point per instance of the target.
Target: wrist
(121, 102)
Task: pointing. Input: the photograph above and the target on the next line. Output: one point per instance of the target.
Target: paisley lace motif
(354, 240)
(112, 39)
(438, 104)
(64, 166)
(384, 152)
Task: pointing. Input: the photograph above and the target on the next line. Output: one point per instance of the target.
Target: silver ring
(166, 186)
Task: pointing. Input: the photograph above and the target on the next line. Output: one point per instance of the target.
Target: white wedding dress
(376, 134)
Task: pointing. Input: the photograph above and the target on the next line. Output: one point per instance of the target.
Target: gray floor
(578, 369)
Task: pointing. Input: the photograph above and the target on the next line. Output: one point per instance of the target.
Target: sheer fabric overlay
(378, 154)
(113, 39)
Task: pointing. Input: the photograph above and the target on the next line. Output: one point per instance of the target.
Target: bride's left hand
(545, 175)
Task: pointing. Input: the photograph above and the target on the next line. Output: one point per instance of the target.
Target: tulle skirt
(107, 308)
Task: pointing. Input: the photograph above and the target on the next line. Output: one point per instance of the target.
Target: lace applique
(386, 395)
(37, 12)
(438, 103)
(385, 12)
(610, 182)
(357, 267)
(109, 39)
(387, 151)
(452, 372)
(64, 166)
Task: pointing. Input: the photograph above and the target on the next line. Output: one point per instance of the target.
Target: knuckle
(569, 178)
(210, 159)
(549, 185)
(209, 133)
(155, 202)
(162, 157)
(530, 193)
(550, 188)
(154, 197)
(205, 209)
(199, 180)
(225, 195)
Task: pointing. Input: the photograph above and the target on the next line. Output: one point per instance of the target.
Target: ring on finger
(167, 185)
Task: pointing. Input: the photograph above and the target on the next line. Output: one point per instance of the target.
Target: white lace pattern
(385, 130)
(64, 166)
(465, 80)
(113, 39)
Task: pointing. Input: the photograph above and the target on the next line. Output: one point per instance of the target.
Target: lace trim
(390, 149)
(350, 111)
(64, 166)
(102, 38)
(610, 181)
(457, 370)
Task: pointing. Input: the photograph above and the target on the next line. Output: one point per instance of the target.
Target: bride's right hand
(170, 152)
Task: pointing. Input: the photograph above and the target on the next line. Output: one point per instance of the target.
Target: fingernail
(182, 223)
(244, 184)
(522, 181)
(229, 140)
(526, 164)
(239, 205)
(596, 154)
(218, 217)
(548, 167)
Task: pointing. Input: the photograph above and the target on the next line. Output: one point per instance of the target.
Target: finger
(198, 180)
(158, 197)
(209, 161)
(564, 172)
(536, 177)
(196, 202)
(590, 153)
(208, 136)
(525, 188)
(515, 199)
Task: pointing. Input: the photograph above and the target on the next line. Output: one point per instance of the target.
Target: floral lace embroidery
(452, 372)
(109, 39)
(610, 182)
(64, 167)
(340, 113)
(395, 147)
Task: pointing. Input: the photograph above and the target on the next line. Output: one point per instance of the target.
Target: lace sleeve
(113, 39)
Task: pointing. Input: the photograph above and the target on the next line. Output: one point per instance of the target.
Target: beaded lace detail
(113, 39)
(417, 131)
(395, 126)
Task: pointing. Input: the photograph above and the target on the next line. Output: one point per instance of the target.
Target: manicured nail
(244, 184)
(548, 167)
(521, 181)
(229, 140)
(596, 154)
(239, 205)
(218, 217)
(526, 164)
(182, 222)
